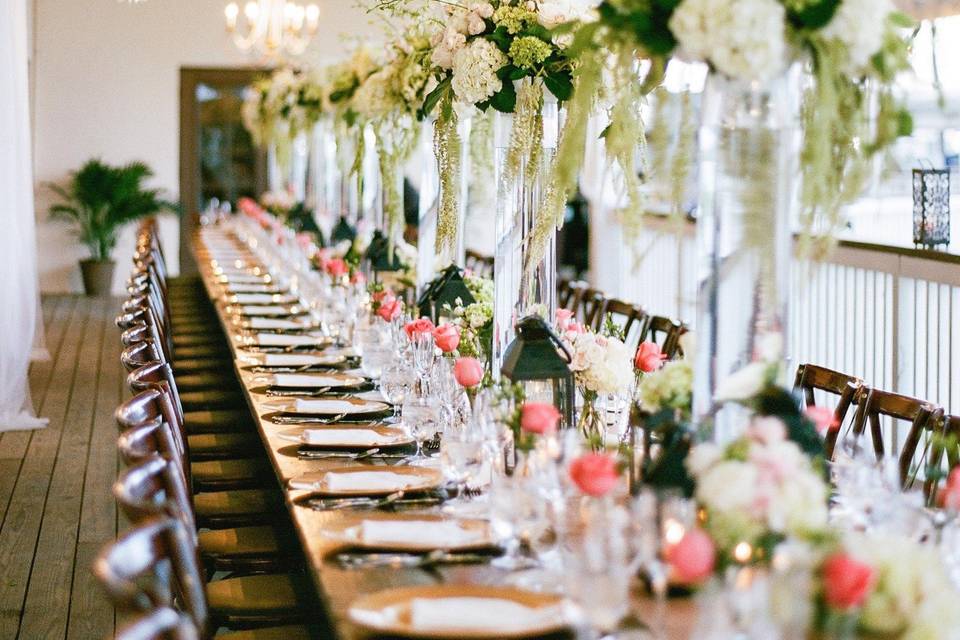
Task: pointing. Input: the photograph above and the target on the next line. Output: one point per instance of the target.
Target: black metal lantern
(931, 206)
(380, 255)
(446, 289)
(539, 360)
(343, 230)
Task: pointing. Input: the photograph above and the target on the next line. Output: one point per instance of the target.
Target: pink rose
(304, 240)
(594, 473)
(390, 308)
(380, 296)
(447, 337)
(539, 417)
(573, 330)
(564, 316)
(846, 581)
(649, 357)
(337, 267)
(693, 557)
(823, 418)
(468, 372)
(357, 278)
(949, 497)
(416, 327)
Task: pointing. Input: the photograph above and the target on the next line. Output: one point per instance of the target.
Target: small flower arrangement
(756, 492)
(475, 320)
(602, 365)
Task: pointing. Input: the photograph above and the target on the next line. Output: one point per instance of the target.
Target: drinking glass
(421, 418)
(595, 561)
(396, 380)
(517, 514)
(462, 458)
(375, 357)
(423, 356)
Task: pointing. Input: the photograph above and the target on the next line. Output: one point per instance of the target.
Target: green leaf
(605, 132)
(814, 15)
(430, 102)
(505, 100)
(560, 85)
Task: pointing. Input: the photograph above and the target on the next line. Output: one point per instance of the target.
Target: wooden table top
(338, 587)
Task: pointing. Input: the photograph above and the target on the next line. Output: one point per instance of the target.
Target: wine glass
(376, 355)
(423, 355)
(395, 384)
(421, 418)
(517, 514)
(462, 458)
(596, 565)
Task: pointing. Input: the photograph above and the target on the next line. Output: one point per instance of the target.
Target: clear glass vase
(516, 294)
(749, 142)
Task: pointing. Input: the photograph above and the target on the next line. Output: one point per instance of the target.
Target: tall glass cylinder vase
(749, 141)
(347, 193)
(517, 294)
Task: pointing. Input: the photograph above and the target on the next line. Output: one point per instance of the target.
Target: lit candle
(742, 552)
(231, 11)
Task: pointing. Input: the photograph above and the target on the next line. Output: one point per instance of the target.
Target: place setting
(340, 409)
(310, 385)
(370, 487)
(283, 342)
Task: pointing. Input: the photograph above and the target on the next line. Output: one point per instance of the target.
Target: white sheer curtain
(19, 318)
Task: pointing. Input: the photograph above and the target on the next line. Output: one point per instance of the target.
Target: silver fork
(287, 419)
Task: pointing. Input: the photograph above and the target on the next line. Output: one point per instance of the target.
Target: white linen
(308, 381)
(346, 437)
(243, 278)
(368, 481)
(262, 298)
(331, 406)
(277, 323)
(431, 533)
(494, 614)
(20, 322)
(265, 310)
(282, 340)
(299, 360)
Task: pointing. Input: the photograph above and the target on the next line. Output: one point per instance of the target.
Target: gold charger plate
(349, 533)
(398, 438)
(389, 612)
(420, 479)
(307, 381)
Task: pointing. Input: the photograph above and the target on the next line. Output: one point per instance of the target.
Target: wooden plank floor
(56, 508)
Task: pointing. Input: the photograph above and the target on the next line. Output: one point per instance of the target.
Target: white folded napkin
(308, 381)
(244, 278)
(368, 481)
(432, 533)
(265, 310)
(299, 360)
(252, 288)
(478, 614)
(282, 340)
(276, 323)
(258, 298)
(346, 437)
(330, 406)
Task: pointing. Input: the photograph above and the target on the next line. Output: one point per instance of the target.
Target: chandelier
(272, 27)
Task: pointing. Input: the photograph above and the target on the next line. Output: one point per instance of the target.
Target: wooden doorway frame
(190, 77)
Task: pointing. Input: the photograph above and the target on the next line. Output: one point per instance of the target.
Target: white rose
(860, 26)
(742, 384)
(728, 486)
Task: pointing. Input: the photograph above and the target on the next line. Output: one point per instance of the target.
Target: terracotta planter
(97, 276)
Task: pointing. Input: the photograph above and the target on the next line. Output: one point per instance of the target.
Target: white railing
(882, 314)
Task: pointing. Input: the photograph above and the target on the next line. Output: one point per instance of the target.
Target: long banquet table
(338, 587)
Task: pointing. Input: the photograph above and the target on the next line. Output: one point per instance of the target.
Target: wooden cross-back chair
(591, 309)
(811, 378)
(877, 404)
(629, 318)
(570, 296)
(665, 333)
(162, 623)
(479, 264)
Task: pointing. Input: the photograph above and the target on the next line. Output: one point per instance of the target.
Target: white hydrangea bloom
(601, 364)
(552, 13)
(475, 69)
(742, 39)
(374, 97)
(859, 25)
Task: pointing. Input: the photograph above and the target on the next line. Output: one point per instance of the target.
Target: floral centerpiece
(475, 320)
(757, 491)
(602, 366)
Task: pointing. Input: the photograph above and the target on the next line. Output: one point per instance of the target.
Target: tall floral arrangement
(278, 107)
(389, 100)
(852, 49)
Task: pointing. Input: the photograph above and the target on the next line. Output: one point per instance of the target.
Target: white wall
(106, 83)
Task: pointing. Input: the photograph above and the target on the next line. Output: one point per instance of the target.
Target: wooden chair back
(154, 487)
(811, 378)
(665, 333)
(154, 565)
(571, 298)
(879, 404)
(629, 318)
(139, 355)
(158, 376)
(591, 306)
(162, 623)
(479, 264)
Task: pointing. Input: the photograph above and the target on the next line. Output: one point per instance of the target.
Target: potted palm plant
(100, 199)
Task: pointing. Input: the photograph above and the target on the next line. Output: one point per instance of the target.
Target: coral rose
(846, 581)
(416, 327)
(649, 357)
(468, 372)
(539, 417)
(595, 474)
(693, 557)
(390, 308)
(447, 337)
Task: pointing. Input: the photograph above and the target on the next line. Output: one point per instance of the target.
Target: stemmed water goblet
(395, 385)
(422, 420)
(423, 356)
